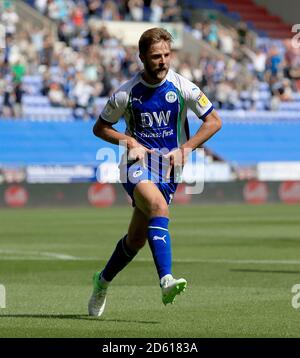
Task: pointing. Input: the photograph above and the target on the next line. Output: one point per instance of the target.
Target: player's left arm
(203, 108)
(212, 123)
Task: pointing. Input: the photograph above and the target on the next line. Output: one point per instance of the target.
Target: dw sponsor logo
(162, 119)
(2, 296)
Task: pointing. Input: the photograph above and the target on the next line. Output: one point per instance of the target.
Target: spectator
(46, 83)
(10, 20)
(259, 60)
(56, 95)
(213, 34)
(223, 92)
(53, 10)
(47, 51)
(226, 42)
(94, 8)
(18, 71)
(281, 92)
(136, 10)
(8, 108)
(110, 11)
(243, 33)
(83, 98)
(274, 61)
(172, 12)
(198, 31)
(156, 10)
(287, 93)
(41, 5)
(77, 17)
(88, 62)
(186, 71)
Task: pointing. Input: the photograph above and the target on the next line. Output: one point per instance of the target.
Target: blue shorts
(132, 174)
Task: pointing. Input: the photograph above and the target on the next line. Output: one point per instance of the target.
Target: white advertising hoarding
(130, 32)
(277, 171)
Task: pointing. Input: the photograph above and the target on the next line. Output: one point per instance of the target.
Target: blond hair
(152, 36)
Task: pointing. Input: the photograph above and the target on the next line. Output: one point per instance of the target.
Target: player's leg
(127, 247)
(151, 202)
(137, 231)
(149, 199)
(124, 252)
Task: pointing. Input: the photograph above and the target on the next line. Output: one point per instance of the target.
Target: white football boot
(171, 287)
(98, 298)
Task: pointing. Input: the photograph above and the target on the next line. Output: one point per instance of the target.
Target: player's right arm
(103, 128)
(105, 131)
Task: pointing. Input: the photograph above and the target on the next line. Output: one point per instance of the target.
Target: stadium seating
(38, 107)
(44, 113)
(257, 17)
(250, 143)
(32, 84)
(30, 142)
(246, 138)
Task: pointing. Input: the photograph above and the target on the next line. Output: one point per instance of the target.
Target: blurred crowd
(76, 13)
(247, 63)
(81, 63)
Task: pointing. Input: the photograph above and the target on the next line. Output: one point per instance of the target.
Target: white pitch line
(39, 255)
(60, 256)
(232, 261)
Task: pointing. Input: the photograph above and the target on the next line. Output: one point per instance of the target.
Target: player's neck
(150, 80)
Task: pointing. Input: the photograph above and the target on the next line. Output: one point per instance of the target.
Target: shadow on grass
(264, 271)
(74, 316)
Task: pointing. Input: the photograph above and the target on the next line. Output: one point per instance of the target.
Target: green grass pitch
(240, 262)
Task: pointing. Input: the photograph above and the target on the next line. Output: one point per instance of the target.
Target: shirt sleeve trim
(207, 112)
(101, 119)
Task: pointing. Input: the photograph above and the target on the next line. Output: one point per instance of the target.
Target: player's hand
(137, 151)
(177, 158)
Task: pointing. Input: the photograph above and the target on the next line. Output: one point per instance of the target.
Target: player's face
(157, 61)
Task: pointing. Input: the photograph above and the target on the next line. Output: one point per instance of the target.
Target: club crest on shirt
(171, 97)
(137, 173)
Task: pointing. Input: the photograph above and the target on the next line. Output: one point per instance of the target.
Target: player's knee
(139, 244)
(136, 242)
(159, 207)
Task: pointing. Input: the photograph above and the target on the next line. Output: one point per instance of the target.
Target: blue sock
(160, 244)
(118, 260)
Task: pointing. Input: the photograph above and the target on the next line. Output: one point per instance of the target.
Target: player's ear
(142, 57)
